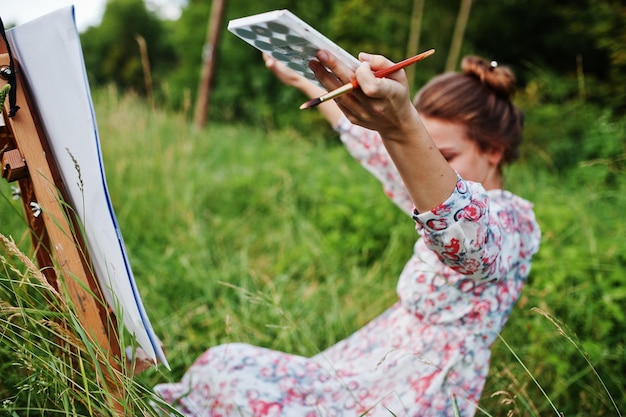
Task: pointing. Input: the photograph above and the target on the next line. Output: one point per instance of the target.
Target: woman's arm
(363, 144)
(384, 105)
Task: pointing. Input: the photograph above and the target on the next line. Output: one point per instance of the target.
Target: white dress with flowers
(425, 356)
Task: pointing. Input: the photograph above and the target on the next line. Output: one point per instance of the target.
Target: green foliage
(575, 39)
(592, 132)
(569, 56)
(577, 278)
(111, 50)
(391, 32)
(49, 364)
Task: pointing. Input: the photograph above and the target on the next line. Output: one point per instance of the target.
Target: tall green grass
(280, 239)
(49, 363)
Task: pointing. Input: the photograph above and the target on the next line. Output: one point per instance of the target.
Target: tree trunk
(459, 33)
(412, 47)
(145, 64)
(208, 54)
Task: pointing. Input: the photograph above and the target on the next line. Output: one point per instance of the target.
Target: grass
(279, 239)
(50, 366)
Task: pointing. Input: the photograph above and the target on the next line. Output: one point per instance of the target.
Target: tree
(582, 41)
(412, 47)
(572, 38)
(209, 54)
(458, 35)
(111, 51)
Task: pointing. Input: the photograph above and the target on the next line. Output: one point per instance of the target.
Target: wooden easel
(60, 250)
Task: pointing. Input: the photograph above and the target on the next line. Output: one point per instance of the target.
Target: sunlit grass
(50, 364)
(279, 239)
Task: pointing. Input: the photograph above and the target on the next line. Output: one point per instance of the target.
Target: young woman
(440, 161)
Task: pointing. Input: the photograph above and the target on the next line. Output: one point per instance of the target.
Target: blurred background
(564, 53)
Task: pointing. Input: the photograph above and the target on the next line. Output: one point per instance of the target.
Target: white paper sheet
(49, 53)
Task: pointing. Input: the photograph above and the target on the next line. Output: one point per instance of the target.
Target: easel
(59, 248)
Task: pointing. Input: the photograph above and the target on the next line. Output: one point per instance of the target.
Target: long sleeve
(470, 265)
(478, 234)
(367, 148)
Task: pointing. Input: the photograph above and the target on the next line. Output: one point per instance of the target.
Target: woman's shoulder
(508, 198)
(515, 215)
(504, 201)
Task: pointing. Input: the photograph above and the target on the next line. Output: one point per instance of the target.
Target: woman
(440, 161)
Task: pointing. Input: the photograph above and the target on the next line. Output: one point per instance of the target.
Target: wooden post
(459, 33)
(60, 250)
(208, 56)
(412, 46)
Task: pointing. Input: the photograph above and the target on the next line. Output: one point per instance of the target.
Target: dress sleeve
(366, 146)
(477, 235)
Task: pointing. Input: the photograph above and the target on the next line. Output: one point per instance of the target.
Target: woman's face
(464, 155)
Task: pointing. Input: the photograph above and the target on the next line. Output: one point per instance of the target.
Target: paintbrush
(354, 84)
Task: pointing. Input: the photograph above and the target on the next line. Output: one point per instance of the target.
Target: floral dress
(427, 355)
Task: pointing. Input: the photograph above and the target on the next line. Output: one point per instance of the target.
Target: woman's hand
(381, 104)
(285, 74)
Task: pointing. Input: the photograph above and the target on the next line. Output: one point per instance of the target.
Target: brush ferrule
(337, 92)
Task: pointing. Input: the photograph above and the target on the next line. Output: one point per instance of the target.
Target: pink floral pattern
(424, 356)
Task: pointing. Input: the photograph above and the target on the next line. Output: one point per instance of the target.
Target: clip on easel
(60, 250)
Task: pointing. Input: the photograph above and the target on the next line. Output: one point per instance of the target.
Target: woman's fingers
(378, 102)
(328, 79)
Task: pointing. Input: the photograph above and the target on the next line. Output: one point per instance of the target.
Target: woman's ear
(495, 155)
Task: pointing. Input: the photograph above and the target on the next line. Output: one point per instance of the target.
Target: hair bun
(500, 79)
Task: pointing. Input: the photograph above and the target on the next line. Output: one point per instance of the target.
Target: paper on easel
(288, 39)
(50, 56)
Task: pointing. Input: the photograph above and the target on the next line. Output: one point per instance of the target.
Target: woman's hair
(479, 98)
